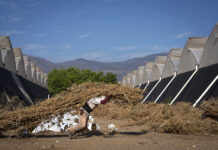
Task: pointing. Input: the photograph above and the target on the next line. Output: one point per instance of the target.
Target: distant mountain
(44, 64)
(120, 68)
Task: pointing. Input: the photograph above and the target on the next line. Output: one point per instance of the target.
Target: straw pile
(71, 99)
(210, 108)
(180, 118)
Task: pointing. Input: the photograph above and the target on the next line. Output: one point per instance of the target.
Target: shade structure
(19, 61)
(128, 78)
(14, 70)
(172, 62)
(33, 72)
(157, 69)
(45, 79)
(190, 58)
(7, 54)
(147, 74)
(27, 67)
(140, 75)
(208, 71)
(38, 75)
(169, 71)
(1, 63)
(133, 78)
(192, 53)
(124, 82)
(42, 78)
(156, 74)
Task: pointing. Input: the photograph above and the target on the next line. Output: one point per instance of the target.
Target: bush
(60, 79)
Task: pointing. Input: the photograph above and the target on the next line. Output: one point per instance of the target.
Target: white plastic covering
(133, 78)
(38, 75)
(157, 69)
(191, 54)
(45, 79)
(1, 63)
(19, 61)
(42, 78)
(210, 54)
(27, 67)
(140, 75)
(33, 72)
(172, 62)
(128, 78)
(148, 70)
(124, 81)
(7, 54)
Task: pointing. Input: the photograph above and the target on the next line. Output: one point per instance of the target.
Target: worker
(84, 112)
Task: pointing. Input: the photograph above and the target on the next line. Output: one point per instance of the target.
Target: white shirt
(95, 101)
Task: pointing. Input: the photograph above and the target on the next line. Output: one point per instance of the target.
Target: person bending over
(84, 112)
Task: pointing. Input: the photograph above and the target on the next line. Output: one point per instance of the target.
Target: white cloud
(10, 19)
(11, 5)
(123, 48)
(36, 50)
(156, 48)
(132, 55)
(12, 32)
(66, 46)
(35, 3)
(31, 47)
(85, 35)
(41, 34)
(94, 56)
(183, 35)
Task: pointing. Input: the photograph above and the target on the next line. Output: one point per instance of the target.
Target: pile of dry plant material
(210, 108)
(71, 99)
(180, 118)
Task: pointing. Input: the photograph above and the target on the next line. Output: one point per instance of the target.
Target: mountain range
(119, 68)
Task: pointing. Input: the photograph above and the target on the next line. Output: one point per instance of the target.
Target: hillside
(120, 68)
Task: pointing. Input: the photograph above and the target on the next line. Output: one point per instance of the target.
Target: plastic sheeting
(175, 86)
(12, 88)
(199, 83)
(152, 97)
(210, 54)
(143, 86)
(149, 88)
(35, 91)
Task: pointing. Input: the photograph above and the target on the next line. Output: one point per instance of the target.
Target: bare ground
(127, 138)
(150, 141)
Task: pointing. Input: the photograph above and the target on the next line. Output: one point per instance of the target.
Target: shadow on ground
(79, 136)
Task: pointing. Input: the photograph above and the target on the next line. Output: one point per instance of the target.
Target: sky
(104, 30)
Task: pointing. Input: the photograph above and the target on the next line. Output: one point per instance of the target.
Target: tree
(60, 79)
(110, 78)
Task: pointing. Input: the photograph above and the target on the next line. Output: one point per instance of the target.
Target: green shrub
(60, 79)
(168, 100)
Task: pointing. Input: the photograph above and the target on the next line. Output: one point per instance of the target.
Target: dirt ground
(127, 138)
(127, 141)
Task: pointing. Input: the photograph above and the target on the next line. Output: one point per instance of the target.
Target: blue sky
(104, 30)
